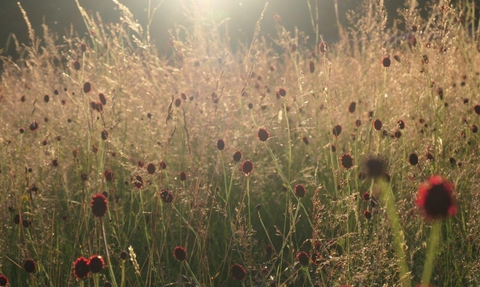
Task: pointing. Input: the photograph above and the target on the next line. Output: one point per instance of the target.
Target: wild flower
(238, 272)
(179, 253)
(435, 198)
(80, 268)
(99, 205)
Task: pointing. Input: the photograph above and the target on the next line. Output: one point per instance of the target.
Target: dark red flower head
(282, 92)
(151, 168)
(263, 135)
(99, 205)
(108, 174)
(80, 268)
(347, 161)
(367, 214)
(375, 166)
(166, 196)
(30, 266)
(96, 263)
(183, 176)
(435, 198)
(247, 167)
(87, 87)
(476, 109)
(220, 144)
(413, 159)
(237, 156)
(102, 98)
(179, 253)
(337, 130)
(386, 62)
(33, 126)
(3, 280)
(300, 190)
(238, 272)
(377, 124)
(302, 257)
(138, 182)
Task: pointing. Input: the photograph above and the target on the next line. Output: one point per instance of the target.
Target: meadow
(275, 164)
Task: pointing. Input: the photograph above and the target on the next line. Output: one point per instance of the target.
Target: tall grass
(157, 133)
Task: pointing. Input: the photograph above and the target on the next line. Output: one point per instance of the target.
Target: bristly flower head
(179, 253)
(220, 144)
(386, 62)
(238, 272)
(30, 266)
(166, 196)
(435, 198)
(375, 166)
(96, 263)
(237, 156)
(302, 257)
(347, 161)
(108, 174)
(247, 167)
(99, 205)
(300, 190)
(80, 268)
(263, 135)
(3, 280)
(337, 130)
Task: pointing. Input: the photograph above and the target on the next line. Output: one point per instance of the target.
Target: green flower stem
(109, 262)
(191, 273)
(433, 241)
(387, 195)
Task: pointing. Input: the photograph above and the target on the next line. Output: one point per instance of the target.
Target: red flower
(238, 272)
(80, 268)
(386, 62)
(179, 253)
(435, 198)
(300, 190)
(237, 156)
(247, 167)
(220, 144)
(96, 263)
(347, 161)
(30, 266)
(3, 280)
(263, 135)
(282, 92)
(108, 174)
(166, 196)
(99, 205)
(151, 168)
(302, 257)
(138, 183)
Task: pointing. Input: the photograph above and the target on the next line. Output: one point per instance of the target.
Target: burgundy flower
(99, 205)
(282, 92)
(30, 266)
(108, 174)
(375, 166)
(435, 198)
(33, 126)
(476, 109)
(366, 196)
(247, 167)
(104, 135)
(367, 214)
(96, 263)
(151, 168)
(80, 268)
(347, 161)
(46, 99)
(76, 65)
(87, 87)
(237, 156)
(163, 165)
(413, 159)
(220, 144)
(263, 135)
(401, 124)
(183, 176)
(3, 280)
(386, 62)
(377, 124)
(312, 67)
(352, 107)
(300, 190)
(302, 257)
(103, 99)
(238, 272)
(337, 130)
(179, 253)
(138, 182)
(166, 196)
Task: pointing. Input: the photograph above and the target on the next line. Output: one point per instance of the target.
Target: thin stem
(109, 262)
(433, 241)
